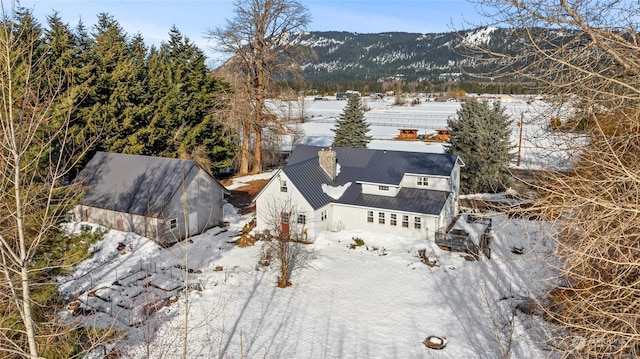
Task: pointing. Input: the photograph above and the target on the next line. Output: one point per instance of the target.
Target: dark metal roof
(308, 177)
(374, 166)
(407, 200)
(381, 166)
(130, 183)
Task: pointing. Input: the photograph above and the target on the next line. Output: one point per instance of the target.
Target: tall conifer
(351, 128)
(480, 135)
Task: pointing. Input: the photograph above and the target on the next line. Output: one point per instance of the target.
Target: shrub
(357, 242)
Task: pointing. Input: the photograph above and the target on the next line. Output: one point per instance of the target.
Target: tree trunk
(260, 97)
(26, 313)
(245, 148)
(257, 156)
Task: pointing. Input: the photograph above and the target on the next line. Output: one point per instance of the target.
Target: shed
(165, 199)
(442, 135)
(408, 134)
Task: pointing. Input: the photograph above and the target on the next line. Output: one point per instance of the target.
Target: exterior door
(284, 222)
(193, 224)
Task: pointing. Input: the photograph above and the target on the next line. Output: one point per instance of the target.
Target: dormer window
(383, 188)
(422, 181)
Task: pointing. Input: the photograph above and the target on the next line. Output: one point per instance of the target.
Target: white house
(165, 199)
(331, 189)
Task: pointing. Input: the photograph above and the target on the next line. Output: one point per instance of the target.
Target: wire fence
(417, 121)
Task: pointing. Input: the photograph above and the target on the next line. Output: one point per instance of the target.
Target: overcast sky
(154, 18)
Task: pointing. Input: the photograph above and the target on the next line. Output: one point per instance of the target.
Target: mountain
(348, 56)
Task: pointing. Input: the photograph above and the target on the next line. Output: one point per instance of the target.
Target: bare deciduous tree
(285, 239)
(36, 154)
(260, 43)
(586, 54)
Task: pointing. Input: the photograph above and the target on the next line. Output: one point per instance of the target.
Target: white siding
(374, 188)
(437, 183)
(201, 194)
(271, 201)
(351, 217)
(319, 224)
(345, 217)
(455, 186)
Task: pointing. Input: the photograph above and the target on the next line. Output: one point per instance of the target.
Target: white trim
(377, 209)
(424, 175)
(275, 175)
(379, 184)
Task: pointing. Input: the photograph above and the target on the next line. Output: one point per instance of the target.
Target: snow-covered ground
(378, 300)
(374, 301)
(539, 147)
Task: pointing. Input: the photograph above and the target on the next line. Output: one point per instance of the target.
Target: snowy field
(539, 148)
(378, 300)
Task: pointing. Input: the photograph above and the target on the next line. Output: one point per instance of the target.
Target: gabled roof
(381, 166)
(359, 165)
(309, 177)
(134, 184)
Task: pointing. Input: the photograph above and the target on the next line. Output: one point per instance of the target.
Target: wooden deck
(459, 240)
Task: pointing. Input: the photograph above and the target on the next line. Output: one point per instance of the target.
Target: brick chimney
(328, 161)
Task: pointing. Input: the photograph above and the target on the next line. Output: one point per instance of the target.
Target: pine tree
(107, 107)
(351, 128)
(183, 93)
(480, 135)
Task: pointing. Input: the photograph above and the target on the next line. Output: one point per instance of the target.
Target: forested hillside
(347, 56)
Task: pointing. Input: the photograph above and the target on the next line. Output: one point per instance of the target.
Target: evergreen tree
(182, 94)
(107, 107)
(351, 128)
(480, 135)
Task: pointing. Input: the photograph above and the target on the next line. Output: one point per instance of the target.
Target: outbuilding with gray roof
(166, 199)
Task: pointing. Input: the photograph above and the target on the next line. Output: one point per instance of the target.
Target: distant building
(345, 95)
(408, 134)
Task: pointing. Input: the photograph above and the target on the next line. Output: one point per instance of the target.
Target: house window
(405, 221)
(423, 181)
(173, 223)
(323, 215)
(417, 224)
(383, 188)
(283, 186)
(370, 216)
(381, 217)
(394, 219)
(302, 219)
